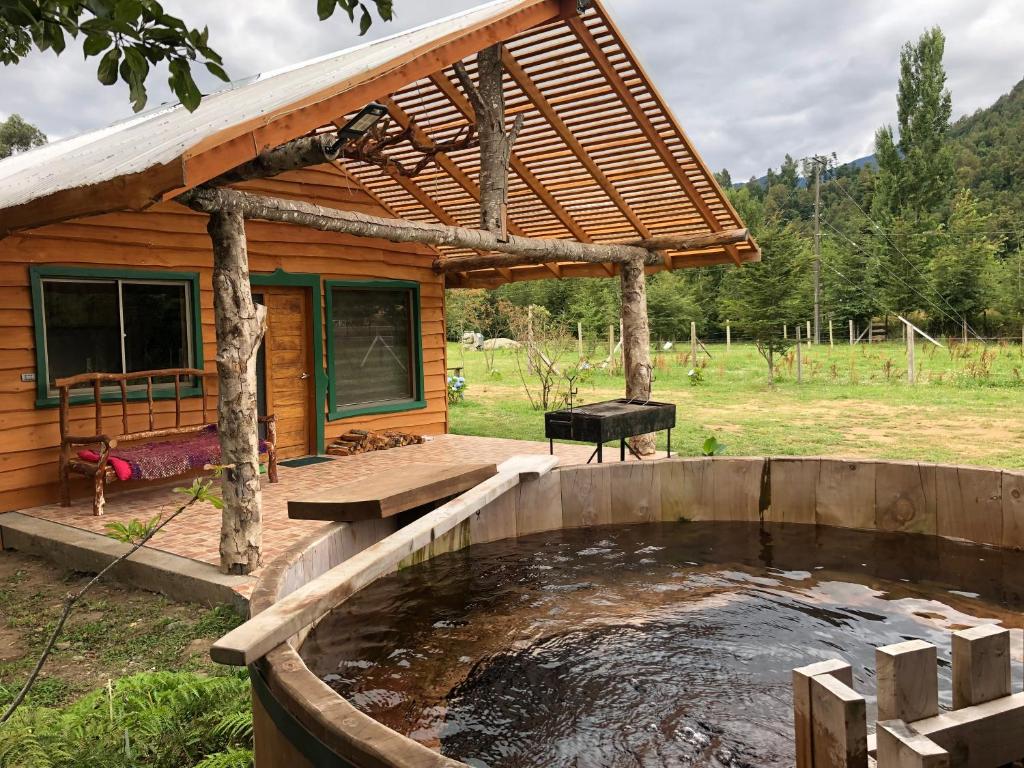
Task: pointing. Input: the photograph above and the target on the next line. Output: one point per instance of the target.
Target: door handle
(303, 375)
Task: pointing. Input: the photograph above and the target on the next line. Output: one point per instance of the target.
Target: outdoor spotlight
(368, 117)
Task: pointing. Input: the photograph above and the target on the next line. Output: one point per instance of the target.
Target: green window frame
(38, 275)
(416, 347)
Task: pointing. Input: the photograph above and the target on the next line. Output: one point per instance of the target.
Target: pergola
(524, 141)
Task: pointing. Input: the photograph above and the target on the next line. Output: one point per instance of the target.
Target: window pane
(83, 330)
(373, 357)
(155, 326)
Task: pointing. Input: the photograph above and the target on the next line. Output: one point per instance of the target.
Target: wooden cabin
(100, 270)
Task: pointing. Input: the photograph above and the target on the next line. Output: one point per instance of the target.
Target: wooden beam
(981, 665)
(839, 729)
(908, 686)
(900, 747)
(534, 94)
(509, 259)
(644, 123)
(803, 720)
(287, 211)
(275, 625)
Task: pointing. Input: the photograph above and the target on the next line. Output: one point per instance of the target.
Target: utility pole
(817, 250)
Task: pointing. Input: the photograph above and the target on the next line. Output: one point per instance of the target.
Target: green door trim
(283, 279)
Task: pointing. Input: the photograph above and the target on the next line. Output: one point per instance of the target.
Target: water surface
(668, 644)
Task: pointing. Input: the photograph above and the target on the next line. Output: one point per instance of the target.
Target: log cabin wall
(170, 238)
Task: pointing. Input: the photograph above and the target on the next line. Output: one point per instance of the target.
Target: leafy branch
(130, 36)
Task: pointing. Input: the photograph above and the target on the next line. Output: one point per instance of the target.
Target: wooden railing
(117, 389)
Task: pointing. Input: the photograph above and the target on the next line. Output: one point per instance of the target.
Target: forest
(931, 230)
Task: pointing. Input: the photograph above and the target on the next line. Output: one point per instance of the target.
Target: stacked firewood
(365, 440)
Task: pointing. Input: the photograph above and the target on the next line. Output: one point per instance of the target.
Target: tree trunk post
(240, 326)
(728, 336)
(693, 344)
(810, 339)
(851, 333)
(831, 338)
(636, 343)
(611, 347)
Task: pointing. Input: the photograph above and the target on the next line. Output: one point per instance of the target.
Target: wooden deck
(196, 533)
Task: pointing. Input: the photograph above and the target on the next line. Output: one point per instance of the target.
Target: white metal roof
(160, 135)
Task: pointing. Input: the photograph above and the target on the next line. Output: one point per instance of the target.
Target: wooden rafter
(644, 122)
(451, 168)
(461, 103)
(535, 95)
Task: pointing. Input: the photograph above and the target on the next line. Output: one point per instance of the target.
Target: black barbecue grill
(610, 420)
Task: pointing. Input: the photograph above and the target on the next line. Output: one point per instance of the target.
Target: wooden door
(288, 368)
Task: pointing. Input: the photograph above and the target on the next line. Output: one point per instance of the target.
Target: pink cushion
(122, 468)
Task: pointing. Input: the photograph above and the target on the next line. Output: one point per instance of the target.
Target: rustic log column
(240, 326)
(636, 342)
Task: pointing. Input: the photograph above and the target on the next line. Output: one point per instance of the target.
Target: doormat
(304, 461)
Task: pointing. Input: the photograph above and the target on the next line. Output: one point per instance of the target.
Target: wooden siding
(169, 237)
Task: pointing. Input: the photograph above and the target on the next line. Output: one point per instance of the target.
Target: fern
(232, 757)
(158, 719)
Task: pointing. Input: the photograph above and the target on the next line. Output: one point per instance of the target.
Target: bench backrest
(124, 384)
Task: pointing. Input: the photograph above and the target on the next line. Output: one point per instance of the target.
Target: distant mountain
(857, 164)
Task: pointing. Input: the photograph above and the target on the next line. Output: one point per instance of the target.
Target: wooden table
(388, 494)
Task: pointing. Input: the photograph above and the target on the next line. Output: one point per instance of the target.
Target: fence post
(911, 368)
(965, 330)
(611, 347)
(799, 360)
(579, 339)
(810, 339)
(851, 333)
(622, 344)
(693, 344)
(785, 331)
(728, 336)
(831, 339)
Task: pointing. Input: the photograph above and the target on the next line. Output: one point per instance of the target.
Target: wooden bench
(117, 387)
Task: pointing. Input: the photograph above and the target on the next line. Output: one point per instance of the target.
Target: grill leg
(551, 446)
(592, 456)
(600, 453)
(668, 452)
(622, 449)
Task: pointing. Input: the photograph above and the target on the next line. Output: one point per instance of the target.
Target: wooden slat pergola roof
(600, 157)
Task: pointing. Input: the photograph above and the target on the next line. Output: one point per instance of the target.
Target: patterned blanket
(156, 461)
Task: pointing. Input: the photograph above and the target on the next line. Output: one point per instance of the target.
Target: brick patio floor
(196, 532)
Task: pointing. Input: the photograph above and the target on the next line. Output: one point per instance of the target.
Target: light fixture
(368, 117)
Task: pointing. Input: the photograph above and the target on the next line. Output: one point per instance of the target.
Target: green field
(966, 407)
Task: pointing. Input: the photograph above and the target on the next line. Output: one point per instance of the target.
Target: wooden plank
(1012, 494)
(845, 494)
(737, 488)
(387, 495)
(802, 722)
(969, 504)
(904, 497)
(586, 496)
(308, 603)
(898, 746)
(794, 484)
(494, 521)
(907, 675)
(983, 736)
(635, 492)
(539, 505)
(839, 724)
(981, 665)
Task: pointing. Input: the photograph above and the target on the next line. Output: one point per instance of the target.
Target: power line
(906, 258)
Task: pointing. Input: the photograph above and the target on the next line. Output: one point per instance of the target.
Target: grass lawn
(113, 632)
(967, 407)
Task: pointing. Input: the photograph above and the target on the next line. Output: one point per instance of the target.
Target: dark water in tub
(669, 644)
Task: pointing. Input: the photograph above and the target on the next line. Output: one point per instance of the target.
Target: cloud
(749, 81)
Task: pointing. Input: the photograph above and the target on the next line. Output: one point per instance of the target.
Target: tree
(132, 35)
(672, 306)
(916, 168)
(844, 282)
(964, 264)
(17, 135)
(761, 297)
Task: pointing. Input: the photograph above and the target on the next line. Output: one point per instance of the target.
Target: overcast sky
(749, 80)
